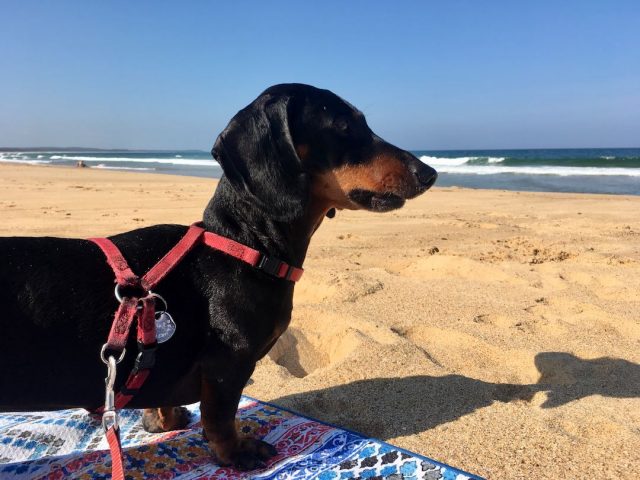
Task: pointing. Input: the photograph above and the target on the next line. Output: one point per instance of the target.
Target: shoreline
(492, 330)
(437, 185)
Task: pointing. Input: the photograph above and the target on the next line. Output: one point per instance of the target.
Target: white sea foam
(24, 160)
(439, 161)
(20, 158)
(166, 161)
(442, 161)
(102, 166)
(546, 170)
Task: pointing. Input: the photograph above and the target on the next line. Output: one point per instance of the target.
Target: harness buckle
(146, 358)
(270, 265)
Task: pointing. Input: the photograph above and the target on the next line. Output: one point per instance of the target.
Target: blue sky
(428, 75)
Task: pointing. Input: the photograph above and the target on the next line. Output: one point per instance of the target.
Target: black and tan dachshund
(290, 158)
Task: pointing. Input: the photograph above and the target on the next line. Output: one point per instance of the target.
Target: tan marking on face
(302, 151)
(383, 174)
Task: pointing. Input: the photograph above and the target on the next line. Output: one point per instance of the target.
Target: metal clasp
(109, 420)
(120, 298)
(110, 417)
(105, 360)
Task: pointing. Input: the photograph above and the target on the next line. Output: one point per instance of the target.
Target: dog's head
(296, 141)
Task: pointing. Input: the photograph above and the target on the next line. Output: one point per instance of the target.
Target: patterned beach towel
(71, 444)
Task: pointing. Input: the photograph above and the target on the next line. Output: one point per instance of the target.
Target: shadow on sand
(414, 404)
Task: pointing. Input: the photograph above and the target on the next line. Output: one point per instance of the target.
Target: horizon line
(99, 149)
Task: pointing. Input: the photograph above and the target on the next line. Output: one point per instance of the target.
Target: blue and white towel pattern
(70, 444)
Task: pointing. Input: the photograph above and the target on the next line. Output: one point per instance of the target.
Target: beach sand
(498, 332)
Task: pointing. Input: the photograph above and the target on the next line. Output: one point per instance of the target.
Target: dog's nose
(426, 175)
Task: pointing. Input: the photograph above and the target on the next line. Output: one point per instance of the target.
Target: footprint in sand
(473, 355)
(557, 316)
(343, 287)
(607, 286)
(447, 266)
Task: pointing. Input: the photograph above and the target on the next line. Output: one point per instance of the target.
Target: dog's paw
(156, 420)
(249, 454)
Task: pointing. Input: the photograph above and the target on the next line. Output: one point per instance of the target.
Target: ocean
(601, 170)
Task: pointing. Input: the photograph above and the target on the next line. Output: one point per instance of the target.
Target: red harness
(143, 308)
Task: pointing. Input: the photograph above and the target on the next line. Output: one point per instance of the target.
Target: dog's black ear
(257, 155)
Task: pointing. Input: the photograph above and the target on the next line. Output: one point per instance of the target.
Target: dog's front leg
(219, 398)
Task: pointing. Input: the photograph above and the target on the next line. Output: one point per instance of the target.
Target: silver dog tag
(165, 327)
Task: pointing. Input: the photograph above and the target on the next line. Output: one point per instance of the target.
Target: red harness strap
(271, 265)
(143, 308)
(174, 256)
(124, 275)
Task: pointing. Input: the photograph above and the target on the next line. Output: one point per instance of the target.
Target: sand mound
(302, 353)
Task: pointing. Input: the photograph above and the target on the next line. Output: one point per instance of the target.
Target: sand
(495, 331)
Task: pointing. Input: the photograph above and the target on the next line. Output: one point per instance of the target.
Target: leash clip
(110, 416)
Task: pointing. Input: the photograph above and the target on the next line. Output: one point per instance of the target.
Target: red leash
(143, 308)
